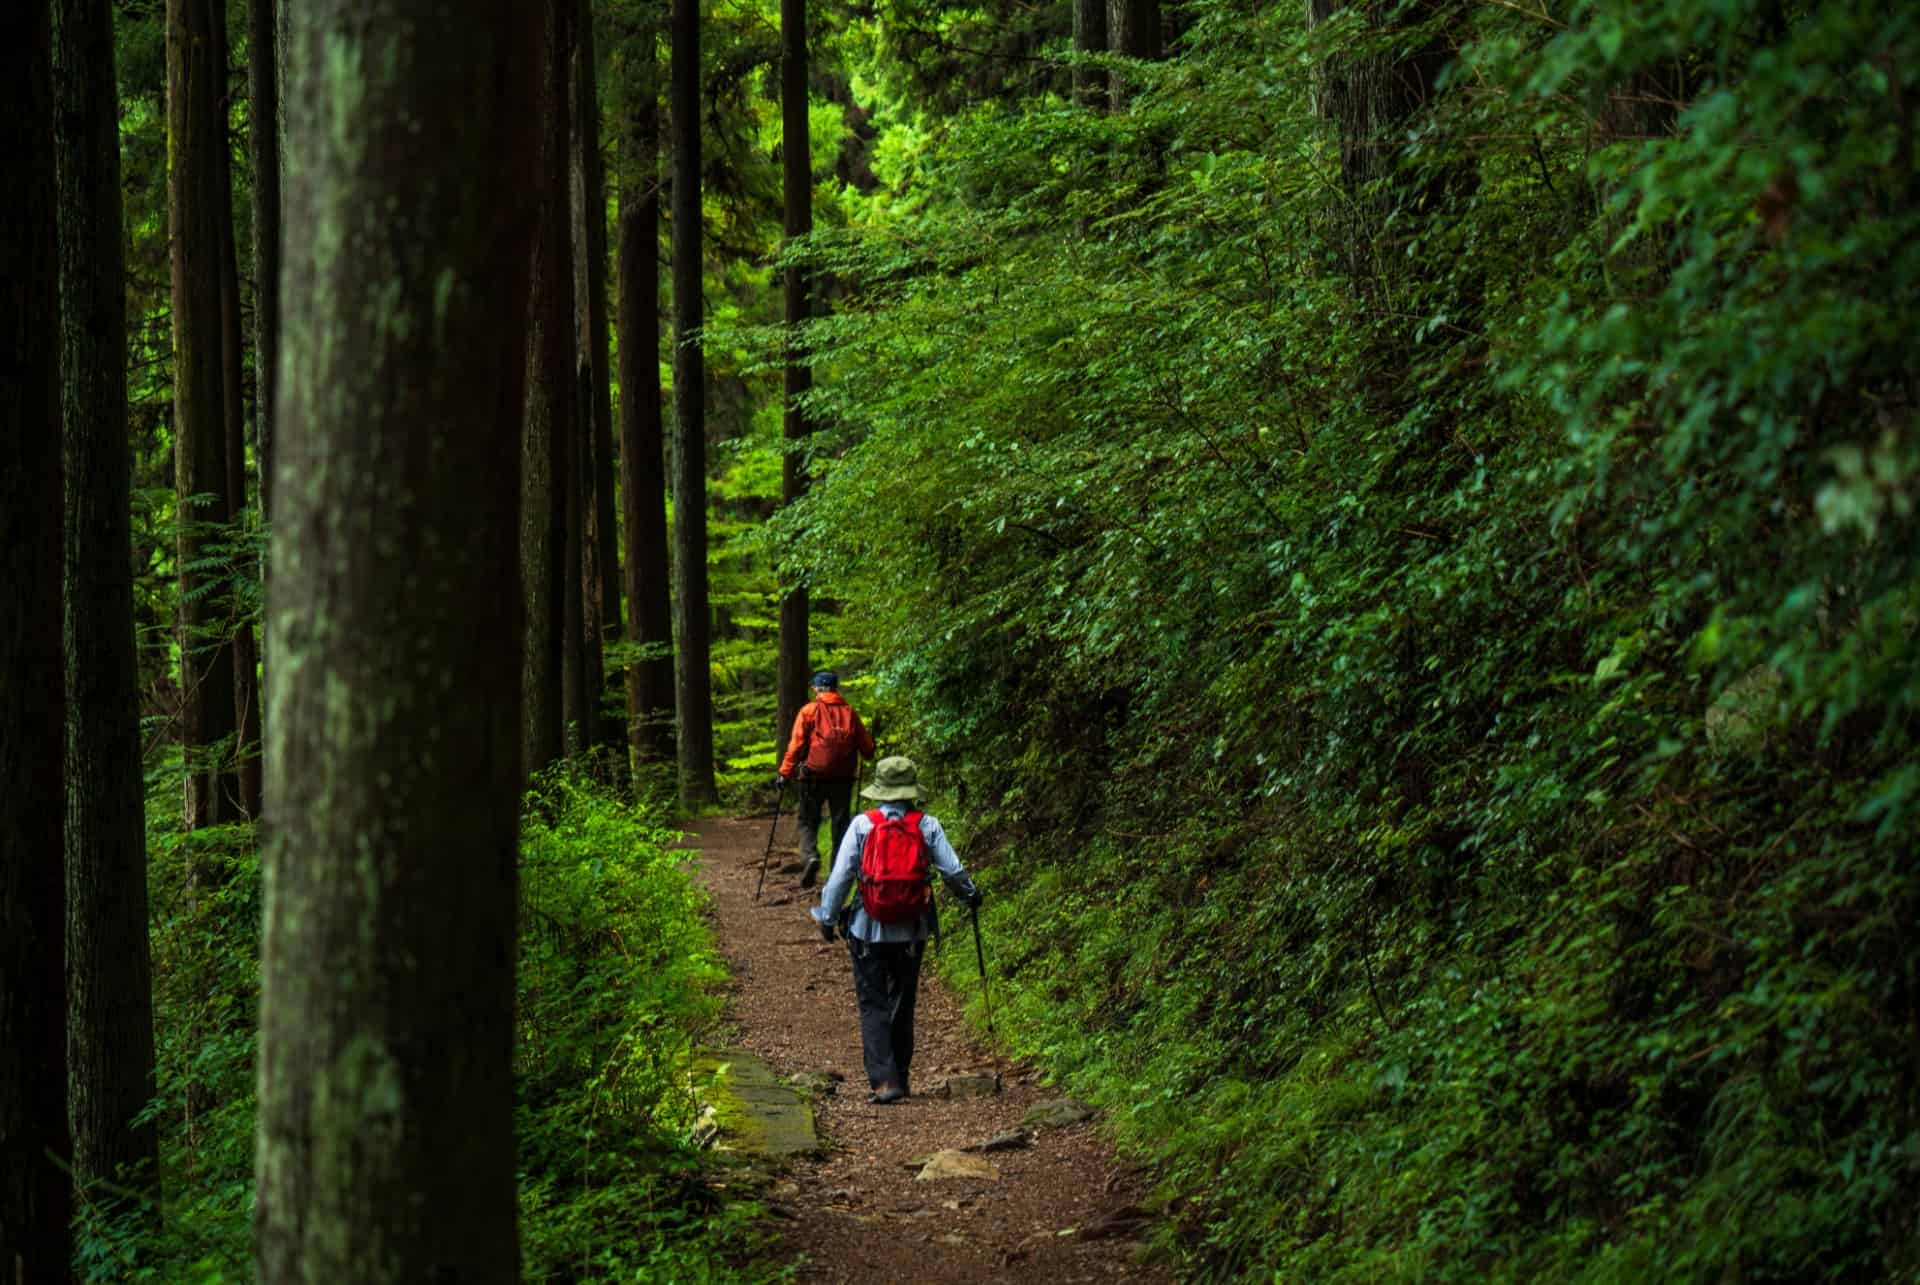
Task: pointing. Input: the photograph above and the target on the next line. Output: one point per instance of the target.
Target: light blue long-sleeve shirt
(846, 869)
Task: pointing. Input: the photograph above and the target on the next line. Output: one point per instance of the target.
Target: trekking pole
(778, 795)
(980, 953)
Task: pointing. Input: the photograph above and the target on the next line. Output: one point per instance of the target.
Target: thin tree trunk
(546, 457)
(109, 974)
(263, 140)
(1133, 29)
(643, 479)
(602, 548)
(385, 1150)
(35, 1198)
(246, 689)
(692, 627)
(791, 669)
(1090, 37)
(196, 84)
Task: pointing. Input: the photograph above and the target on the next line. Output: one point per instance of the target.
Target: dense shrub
(1433, 651)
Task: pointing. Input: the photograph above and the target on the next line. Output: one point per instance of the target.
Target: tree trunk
(643, 480)
(546, 456)
(601, 550)
(34, 1192)
(263, 141)
(1090, 37)
(692, 627)
(233, 400)
(109, 974)
(1133, 29)
(196, 85)
(791, 670)
(385, 1150)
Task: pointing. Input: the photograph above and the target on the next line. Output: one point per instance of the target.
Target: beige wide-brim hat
(894, 780)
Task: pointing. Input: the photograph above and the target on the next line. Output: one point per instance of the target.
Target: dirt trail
(1061, 1210)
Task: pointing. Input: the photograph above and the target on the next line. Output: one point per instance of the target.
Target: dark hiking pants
(817, 795)
(886, 982)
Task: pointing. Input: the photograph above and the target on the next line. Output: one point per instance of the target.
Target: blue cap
(826, 680)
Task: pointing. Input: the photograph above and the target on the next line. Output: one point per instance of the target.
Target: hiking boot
(812, 871)
(886, 1094)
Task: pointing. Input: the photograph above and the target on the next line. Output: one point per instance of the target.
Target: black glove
(779, 782)
(826, 931)
(973, 898)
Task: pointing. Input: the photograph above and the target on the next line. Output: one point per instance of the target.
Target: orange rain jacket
(828, 762)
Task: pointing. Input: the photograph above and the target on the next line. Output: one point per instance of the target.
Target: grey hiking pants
(886, 983)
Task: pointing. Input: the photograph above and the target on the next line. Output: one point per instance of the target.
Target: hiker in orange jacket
(824, 753)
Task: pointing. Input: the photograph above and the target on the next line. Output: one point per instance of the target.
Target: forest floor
(1059, 1208)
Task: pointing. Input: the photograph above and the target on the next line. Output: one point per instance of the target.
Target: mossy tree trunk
(643, 478)
(692, 619)
(109, 971)
(263, 142)
(791, 670)
(385, 1148)
(233, 401)
(547, 459)
(196, 141)
(600, 548)
(34, 1191)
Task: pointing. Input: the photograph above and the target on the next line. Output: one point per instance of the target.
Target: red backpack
(830, 750)
(895, 871)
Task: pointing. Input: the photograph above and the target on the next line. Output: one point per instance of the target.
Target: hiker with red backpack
(891, 854)
(828, 742)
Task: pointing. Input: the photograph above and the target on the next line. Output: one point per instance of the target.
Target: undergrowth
(616, 984)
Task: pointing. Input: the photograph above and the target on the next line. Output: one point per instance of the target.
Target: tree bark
(546, 455)
(233, 401)
(196, 85)
(692, 626)
(1133, 29)
(1090, 37)
(385, 1149)
(791, 669)
(34, 1192)
(643, 479)
(263, 141)
(601, 547)
(109, 973)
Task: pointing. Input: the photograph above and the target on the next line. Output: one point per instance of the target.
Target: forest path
(1060, 1210)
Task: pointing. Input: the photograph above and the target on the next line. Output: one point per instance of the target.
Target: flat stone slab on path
(755, 1110)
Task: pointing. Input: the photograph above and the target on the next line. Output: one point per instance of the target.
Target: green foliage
(616, 983)
(1429, 641)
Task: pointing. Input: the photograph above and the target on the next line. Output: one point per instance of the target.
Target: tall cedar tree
(796, 158)
(692, 621)
(385, 1149)
(109, 973)
(1090, 37)
(1133, 29)
(548, 483)
(600, 547)
(197, 204)
(34, 1194)
(263, 142)
(233, 401)
(643, 479)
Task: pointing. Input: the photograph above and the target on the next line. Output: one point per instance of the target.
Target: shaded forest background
(1389, 527)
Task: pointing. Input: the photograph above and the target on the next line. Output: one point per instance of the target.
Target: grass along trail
(1057, 1209)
